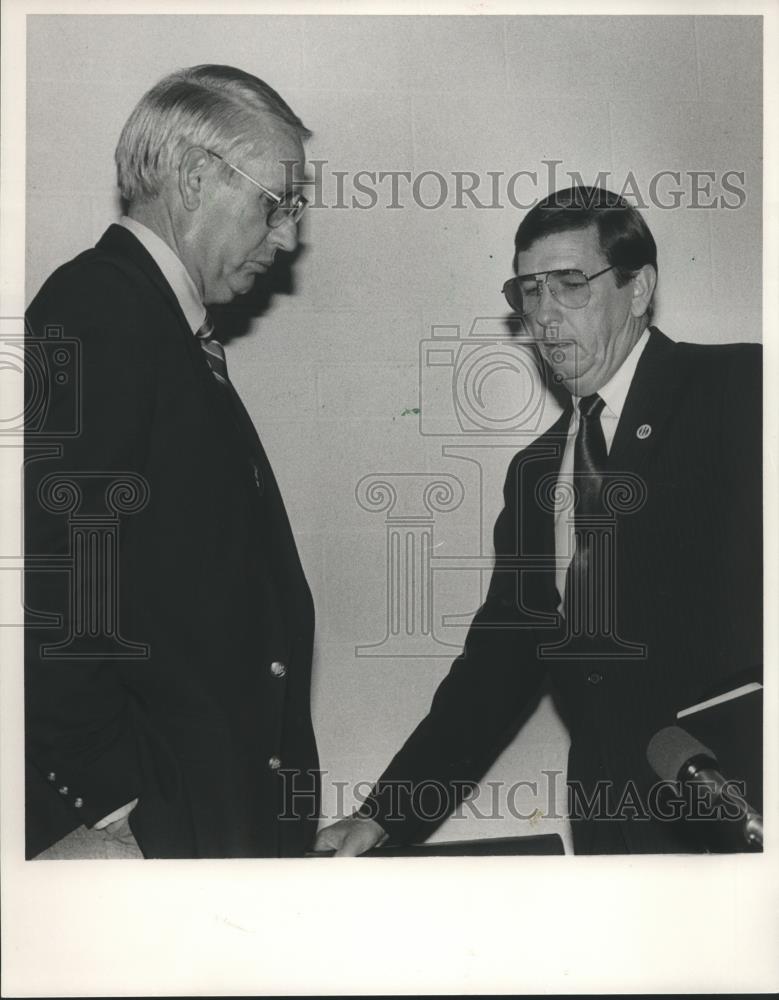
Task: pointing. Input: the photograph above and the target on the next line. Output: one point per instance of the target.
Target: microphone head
(671, 749)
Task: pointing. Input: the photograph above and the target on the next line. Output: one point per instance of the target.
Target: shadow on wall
(234, 319)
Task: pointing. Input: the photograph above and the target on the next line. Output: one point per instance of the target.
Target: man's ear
(192, 170)
(643, 283)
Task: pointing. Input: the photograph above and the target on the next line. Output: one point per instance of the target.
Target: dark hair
(624, 237)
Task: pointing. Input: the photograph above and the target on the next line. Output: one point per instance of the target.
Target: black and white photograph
(388, 489)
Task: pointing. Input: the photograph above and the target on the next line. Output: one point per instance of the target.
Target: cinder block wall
(331, 370)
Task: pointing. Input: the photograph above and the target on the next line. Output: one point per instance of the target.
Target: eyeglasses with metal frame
(569, 286)
(288, 206)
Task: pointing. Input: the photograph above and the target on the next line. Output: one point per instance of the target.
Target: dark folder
(548, 843)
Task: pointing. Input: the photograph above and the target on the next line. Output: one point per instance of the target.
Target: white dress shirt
(613, 393)
(194, 311)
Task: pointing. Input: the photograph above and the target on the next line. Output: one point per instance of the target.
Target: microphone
(674, 755)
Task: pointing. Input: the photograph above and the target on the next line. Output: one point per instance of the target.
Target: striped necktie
(215, 353)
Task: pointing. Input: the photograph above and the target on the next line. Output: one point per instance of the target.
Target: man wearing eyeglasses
(178, 723)
(628, 552)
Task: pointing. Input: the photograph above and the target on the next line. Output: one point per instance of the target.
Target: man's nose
(285, 236)
(548, 313)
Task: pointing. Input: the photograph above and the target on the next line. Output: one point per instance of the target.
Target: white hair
(210, 106)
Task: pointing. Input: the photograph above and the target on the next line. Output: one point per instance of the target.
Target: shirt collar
(173, 270)
(615, 391)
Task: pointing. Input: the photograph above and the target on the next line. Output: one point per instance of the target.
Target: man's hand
(350, 837)
(120, 830)
(117, 825)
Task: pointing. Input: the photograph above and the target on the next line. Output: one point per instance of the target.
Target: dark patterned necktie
(589, 469)
(215, 356)
(589, 461)
(215, 353)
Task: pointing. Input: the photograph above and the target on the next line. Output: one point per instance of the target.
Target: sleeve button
(274, 763)
(78, 803)
(51, 776)
(278, 669)
(63, 790)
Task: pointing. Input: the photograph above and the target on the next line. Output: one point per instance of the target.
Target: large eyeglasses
(570, 287)
(288, 206)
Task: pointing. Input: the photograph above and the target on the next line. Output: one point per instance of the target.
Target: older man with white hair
(168, 711)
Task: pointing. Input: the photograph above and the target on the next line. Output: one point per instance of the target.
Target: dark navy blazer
(211, 729)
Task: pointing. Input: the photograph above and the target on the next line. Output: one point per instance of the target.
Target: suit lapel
(120, 242)
(538, 471)
(226, 407)
(544, 458)
(650, 402)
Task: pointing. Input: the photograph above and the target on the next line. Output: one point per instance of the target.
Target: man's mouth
(259, 266)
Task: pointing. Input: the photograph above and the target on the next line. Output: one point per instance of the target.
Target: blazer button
(78, 803)
(278, 669)
(63, 790)
(274, 763)
(595, 677)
